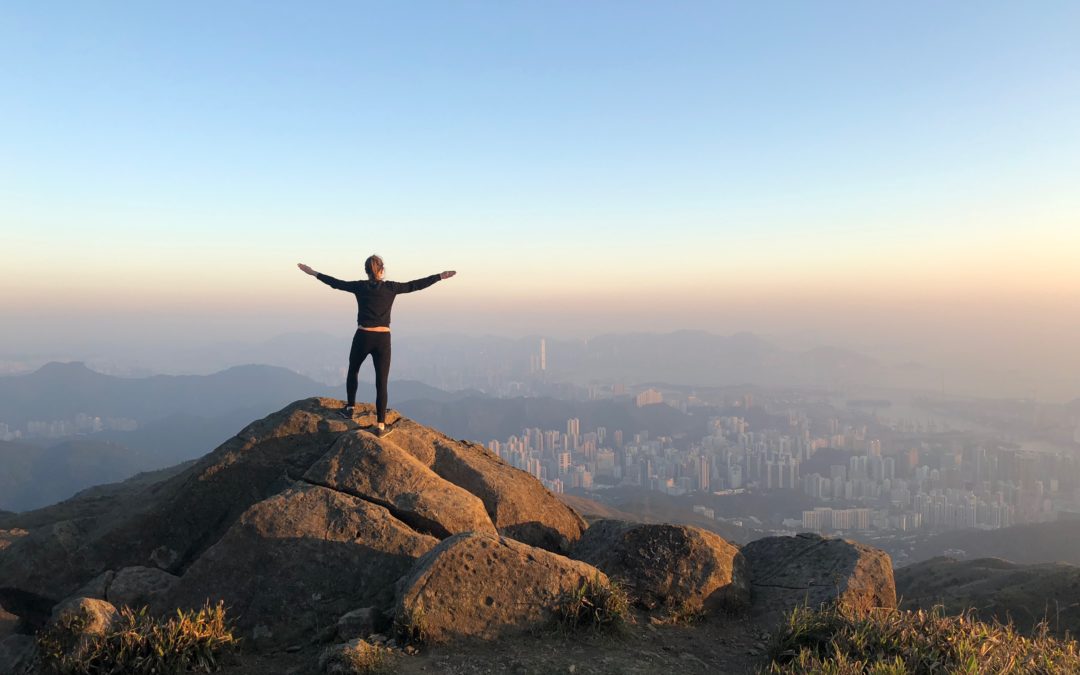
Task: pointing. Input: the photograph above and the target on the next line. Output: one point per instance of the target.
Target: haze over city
(894, 179)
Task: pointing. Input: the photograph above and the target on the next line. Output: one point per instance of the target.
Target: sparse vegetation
(357, 657)
(409, 626)
(838, 641)
(140, 644)
(683, 614)
(594, 605)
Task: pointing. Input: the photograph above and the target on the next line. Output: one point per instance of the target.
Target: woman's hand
(308, 270)
(447, 275)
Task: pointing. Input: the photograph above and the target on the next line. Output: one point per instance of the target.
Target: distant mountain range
(59, 391)
(178, 417)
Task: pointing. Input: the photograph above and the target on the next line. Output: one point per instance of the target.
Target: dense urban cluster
(62, 428)
(847, 475)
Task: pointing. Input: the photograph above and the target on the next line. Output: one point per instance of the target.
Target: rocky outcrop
(299, 560)
(77, 621)
(518, 504)
(169, 524)
(299, 518)
(7, 537)
(9, 623)
(379, 471)
(812, 570)
(483, 586)
(671, 568)
(360, 623)
(138, 586)
(16, 653)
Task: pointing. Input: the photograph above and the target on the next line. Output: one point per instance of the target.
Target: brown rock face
(379, 471)
(171, 523)
(814, 570)
(672, 568)
(517, 502)
(76, 621)
(483, 586)
(298, 561)
(299, 518)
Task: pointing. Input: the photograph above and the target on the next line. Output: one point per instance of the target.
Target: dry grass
(357, 657)
(894, 642)
(141, 644)
(594, 605)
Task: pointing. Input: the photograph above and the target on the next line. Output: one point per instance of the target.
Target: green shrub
(593, 605)
(837, 641)
(138, 643)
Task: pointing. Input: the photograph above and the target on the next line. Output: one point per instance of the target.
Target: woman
(374, 298)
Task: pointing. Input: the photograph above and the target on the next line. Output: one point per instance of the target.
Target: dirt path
(717, 645)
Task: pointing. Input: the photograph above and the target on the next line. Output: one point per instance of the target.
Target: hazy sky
(901, 175)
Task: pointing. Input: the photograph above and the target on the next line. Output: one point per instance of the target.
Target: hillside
(996, 589)
(313, 531)
(1058, 541)
(35, 476)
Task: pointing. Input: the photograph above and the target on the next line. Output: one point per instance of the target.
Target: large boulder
(9, 623)
(812, 570)
(482, 586)
(297, 561)
(8, 537)
(17, 654)
(675, 569)
(518, 504)
(170, 523)
(138, 586)
(37, 570)
(379, 471)
(77, 622)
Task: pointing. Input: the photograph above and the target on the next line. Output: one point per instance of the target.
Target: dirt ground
(715, 645)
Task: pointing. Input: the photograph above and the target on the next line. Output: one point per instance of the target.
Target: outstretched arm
(326, 279)
(419, 284)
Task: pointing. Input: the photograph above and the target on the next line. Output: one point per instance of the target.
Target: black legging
(378, 345)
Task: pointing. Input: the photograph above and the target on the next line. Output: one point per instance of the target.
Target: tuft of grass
(139, 644)
(358, 657)
(410, 627)
(842, 641)
(594, 605)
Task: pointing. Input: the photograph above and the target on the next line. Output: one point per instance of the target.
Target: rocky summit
(311, 529)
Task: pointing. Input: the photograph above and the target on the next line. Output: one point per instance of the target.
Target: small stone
(292, 649)
(411, 650)
(571, 668)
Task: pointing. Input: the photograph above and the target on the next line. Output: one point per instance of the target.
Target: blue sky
(578, 154)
